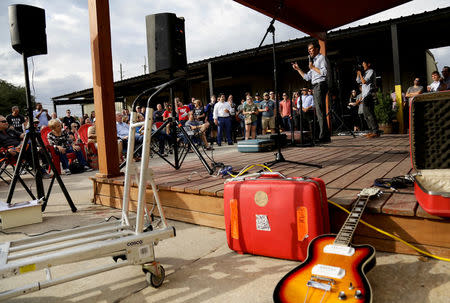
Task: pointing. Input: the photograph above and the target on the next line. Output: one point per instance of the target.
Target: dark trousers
(224, 125)
(65, 161)
(320, 92)
(369, 114)
(287, 123)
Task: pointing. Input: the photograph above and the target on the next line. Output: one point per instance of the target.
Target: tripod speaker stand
(278, 156)
(23, 40)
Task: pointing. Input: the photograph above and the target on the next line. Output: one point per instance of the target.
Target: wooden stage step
(349, 165)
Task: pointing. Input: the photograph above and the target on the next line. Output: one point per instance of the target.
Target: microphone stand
(278, 156)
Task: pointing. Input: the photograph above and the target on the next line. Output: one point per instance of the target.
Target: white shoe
(67, 171)
(87, 168)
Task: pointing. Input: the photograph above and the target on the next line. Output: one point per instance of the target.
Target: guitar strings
(393, 236)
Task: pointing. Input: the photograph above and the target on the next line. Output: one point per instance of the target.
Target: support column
(397, 79)
(210, 81)
(103, 87)
(323, 51)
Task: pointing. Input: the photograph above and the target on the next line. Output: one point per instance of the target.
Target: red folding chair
(89, 148)
(55, 157)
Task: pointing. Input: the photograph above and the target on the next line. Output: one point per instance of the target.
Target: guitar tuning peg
(380, 193)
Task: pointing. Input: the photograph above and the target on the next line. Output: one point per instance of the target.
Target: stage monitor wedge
(27, 29)
(166, 43)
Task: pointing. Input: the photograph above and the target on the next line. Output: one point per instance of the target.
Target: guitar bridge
(320, 283)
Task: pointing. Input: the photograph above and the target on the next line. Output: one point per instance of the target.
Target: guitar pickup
(342, 250)
(328, 271)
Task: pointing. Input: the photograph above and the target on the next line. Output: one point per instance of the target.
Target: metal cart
(131, 241)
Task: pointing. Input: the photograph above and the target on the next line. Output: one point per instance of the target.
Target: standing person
(286, 112)
(209, 111)
(250, 111)
(241, 117)
(267, 107)
(257, 100)
(307, 109)
(317, 74)
(234, 123)
(437, 84)
(222, 119)
(446, 77)
(92, 116)
(16, 120)
(183, 111)
(41, 114)
(199, 111)
(367, 80)
(68, 119)
(353, 106)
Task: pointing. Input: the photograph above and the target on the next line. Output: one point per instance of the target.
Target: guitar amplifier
(271, 215)
(430, 151)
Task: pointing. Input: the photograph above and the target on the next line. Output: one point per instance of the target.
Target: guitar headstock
(370, 192)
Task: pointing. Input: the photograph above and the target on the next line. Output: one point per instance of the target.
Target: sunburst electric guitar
(334, 270)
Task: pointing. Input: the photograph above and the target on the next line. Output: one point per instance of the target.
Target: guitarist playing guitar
(334, 270)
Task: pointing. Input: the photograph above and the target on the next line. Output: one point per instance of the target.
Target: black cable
(48, 231)
(395, 182)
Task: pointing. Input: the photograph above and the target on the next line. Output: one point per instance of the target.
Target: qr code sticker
(144, 252)
(262, 223)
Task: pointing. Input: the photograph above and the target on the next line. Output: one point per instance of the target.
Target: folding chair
(55, 157)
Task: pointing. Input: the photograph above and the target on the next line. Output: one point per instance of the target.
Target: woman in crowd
(234, 123)
(250, 112)
(62, 143)
(199, 111)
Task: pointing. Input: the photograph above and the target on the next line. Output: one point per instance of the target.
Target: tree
(11, 95)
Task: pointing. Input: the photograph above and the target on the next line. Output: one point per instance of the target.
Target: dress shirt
(219, 110)
(123, 129)
(307, 101)
(369, 76)
(320, 62)
(434, 87)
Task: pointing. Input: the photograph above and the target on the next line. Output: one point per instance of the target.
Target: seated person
(62, 143)
(123, 130)
(92, 138)
(200, 127)
(10, 138)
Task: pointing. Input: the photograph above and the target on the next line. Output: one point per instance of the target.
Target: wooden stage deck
(349, 164)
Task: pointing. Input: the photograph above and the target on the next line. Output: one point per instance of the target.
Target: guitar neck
(345, 235)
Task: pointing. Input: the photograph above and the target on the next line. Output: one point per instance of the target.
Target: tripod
(278, 156)
(35, 140)
(342, 124)
(179, 155)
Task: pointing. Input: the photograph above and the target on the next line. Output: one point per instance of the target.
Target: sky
(212, 28)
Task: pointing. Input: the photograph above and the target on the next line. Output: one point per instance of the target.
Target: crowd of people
(221, 120)
(62, 136)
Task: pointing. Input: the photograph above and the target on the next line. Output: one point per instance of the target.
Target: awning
(317, 17)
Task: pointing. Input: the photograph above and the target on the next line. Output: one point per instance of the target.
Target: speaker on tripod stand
(28, 37)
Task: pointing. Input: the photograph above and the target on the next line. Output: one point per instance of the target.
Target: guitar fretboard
(345, 235)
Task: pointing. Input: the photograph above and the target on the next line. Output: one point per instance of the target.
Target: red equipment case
(271, 215)
(429, 137)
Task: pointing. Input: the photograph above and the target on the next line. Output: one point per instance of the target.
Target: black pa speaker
(166, 43)
(27, 28)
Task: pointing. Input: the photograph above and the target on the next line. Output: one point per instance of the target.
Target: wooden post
(103, 88)
(323, 51)
(397, 78)
(210, 81)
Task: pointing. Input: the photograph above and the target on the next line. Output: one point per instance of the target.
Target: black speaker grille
(430, 137)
